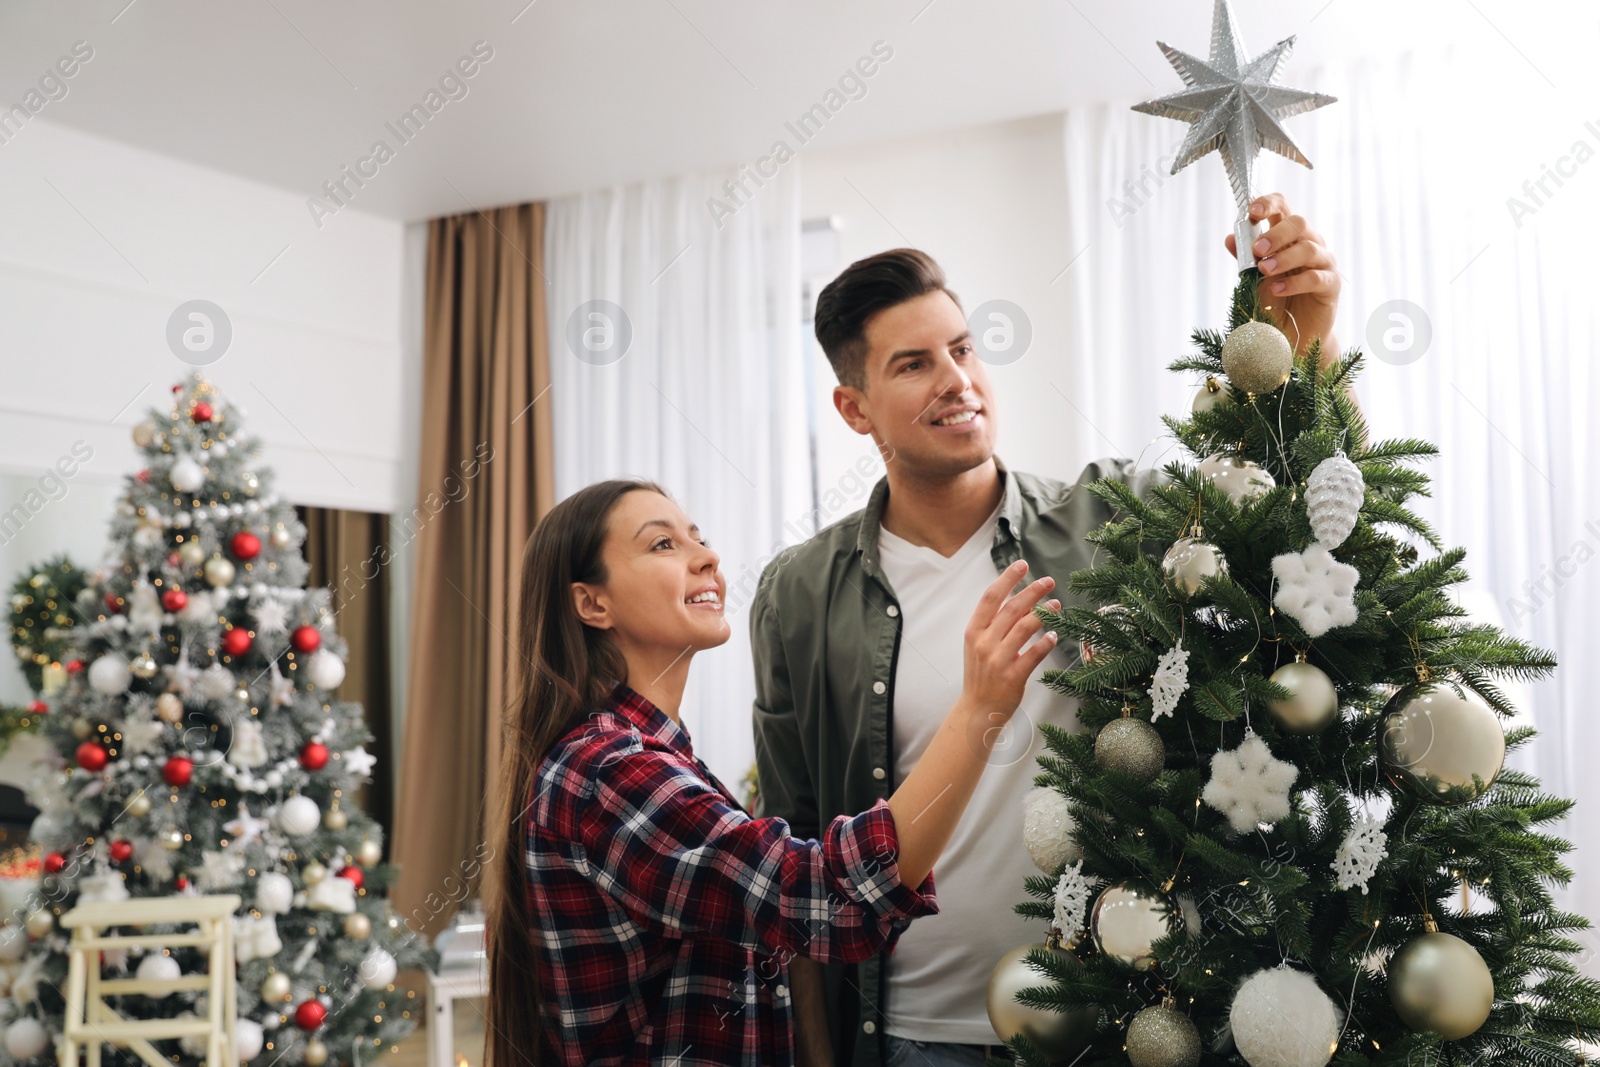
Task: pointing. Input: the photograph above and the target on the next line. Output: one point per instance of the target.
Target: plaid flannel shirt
(667, 915)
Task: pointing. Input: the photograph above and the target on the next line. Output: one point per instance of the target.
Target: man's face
(927, 402)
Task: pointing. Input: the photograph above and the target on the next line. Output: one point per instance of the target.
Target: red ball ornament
(74, 666)
(306, 639)
(178, 770)
(236, 642)
(113, 602)
(201, 411)
(91, 756)
(313, 756)
(245, 545)
(310, 1014)
(182, 882)
(39, 707)
(121, 851)
(55, 863)
(353, 875)
(174, 600)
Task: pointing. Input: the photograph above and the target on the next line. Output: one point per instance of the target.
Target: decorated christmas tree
(199, 749)
(1288, 836)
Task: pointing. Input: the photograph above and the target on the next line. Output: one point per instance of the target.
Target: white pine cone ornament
(1333, 497)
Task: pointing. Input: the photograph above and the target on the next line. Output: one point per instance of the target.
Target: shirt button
(869, 1027)
(877, 772)
(879, 687)
(892, 611)
(782, 991)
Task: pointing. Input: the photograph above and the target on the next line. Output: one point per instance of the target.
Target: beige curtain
(347, 550)
(486, 478)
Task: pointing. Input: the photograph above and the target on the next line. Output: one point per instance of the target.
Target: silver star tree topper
(1231, 105)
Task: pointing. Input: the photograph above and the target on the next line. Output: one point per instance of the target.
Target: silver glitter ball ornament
(1162, 1036)
(1132, 747)
(1257, 357)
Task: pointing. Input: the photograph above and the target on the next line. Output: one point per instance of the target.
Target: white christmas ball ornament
(110, 674)
(378, 969)
(191, 553)
(13, 943)
(158, 967)
(219, 572)
(274, 893)
(27, 1038)
(248, 1039)
(1240, 479)
(276, 988)
(187, 475)
(326, 670)
(299, 816)
(1047, 826)
(1282, 1018)
(1256, 357)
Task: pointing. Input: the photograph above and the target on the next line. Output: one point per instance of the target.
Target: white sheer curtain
(708, 398)
(1414, 168)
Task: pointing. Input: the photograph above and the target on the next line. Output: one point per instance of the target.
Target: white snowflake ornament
(272, 616)
(1249, 785)
(1315, 589)
(359, 762)
(1334, 493)
(1071, 900)
(1360, 853)
(220, 869)
(1170, 681)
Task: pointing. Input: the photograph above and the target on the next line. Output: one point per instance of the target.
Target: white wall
(100, 242)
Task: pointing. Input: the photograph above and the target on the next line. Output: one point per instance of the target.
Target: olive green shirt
(824, 634)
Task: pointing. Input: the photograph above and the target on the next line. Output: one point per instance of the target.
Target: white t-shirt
(939, 970)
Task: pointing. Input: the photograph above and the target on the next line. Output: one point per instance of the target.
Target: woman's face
(663, 592)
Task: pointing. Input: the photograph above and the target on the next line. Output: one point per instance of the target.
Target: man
(857, 634)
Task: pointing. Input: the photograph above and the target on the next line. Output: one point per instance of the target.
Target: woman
(640, 915)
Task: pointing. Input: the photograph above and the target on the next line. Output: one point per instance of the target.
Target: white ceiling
(580, 95)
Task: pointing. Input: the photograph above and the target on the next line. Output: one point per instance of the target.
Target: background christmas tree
(1255, 876)
(201, 749)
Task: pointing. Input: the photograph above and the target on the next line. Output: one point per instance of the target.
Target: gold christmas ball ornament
(1213, 394)
(312, 873)
(39, 922)
(1132, 747)
(1060, 1035)
(172, 840)
(276, 988)
(1162, 1036)
(1257, 357)
(81, 728)
(369, 853)
(357, 926)
(1439, 984)
(191, 553)
(144, 433)
(280, 536)
(169, 708)
(335, 819)
(219, 571)
(1240, 479)
(315, 1054)
(139, 805)
(143, 665)
(1440, 744)
(1314, 705)
(1189, 562)
(1128, 918)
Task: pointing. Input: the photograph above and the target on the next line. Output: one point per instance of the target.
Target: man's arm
(785, 789)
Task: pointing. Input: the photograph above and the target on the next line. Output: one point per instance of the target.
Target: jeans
(904, 1052)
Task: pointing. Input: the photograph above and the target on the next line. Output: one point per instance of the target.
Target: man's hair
(865, 288)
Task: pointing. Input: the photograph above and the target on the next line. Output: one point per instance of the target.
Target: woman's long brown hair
(564, 671)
